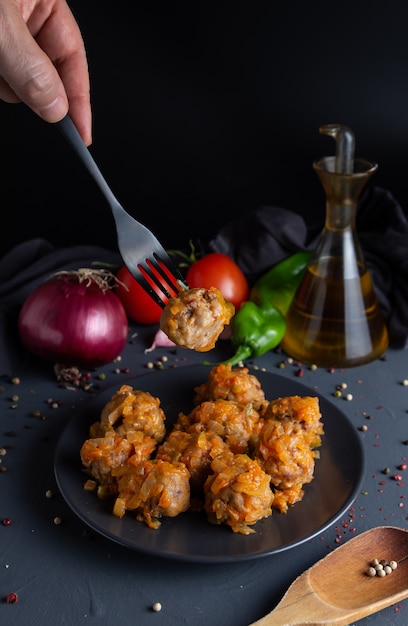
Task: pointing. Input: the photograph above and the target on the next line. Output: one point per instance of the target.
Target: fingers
(37, 83)
(27, 71)
(45, 68)
(61, 39)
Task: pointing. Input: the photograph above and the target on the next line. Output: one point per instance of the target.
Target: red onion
(74, 318)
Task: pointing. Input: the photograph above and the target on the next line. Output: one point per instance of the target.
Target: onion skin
(72, 320)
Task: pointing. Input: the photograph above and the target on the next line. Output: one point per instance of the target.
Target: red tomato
(220, 271)
(139, 306)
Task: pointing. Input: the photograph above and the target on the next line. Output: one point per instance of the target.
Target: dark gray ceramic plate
(189, 536)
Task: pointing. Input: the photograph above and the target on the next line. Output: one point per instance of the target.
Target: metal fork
(142, 253)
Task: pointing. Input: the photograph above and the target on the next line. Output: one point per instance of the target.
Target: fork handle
(68, 129)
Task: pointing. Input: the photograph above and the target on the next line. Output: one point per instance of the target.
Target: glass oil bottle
(334, 319)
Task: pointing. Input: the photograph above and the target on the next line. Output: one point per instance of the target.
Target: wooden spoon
(338, 590)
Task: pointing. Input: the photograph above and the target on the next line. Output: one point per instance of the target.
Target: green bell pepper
(260, 324)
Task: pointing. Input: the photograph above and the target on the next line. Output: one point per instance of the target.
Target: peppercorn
(12, 598)
(381, 568)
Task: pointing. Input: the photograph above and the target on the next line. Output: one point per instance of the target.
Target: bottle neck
(340, 216)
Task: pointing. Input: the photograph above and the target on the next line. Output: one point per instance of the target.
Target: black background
(205, 110)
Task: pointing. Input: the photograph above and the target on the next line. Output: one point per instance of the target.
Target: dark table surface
(66, 573)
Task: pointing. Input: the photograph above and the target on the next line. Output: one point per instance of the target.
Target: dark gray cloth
(269, 234)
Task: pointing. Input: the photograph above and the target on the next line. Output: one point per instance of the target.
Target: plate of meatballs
(209, 463)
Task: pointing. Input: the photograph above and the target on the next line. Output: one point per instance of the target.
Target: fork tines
(160, 278)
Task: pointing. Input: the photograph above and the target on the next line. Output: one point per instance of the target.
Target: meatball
(289, 430)
(152, 488)
(130, 411)
(302, 411)
(237, 493)
(100, 455)
(285, 454)
(227, 383)
(195, 450)
(235, 423)
(196, 317)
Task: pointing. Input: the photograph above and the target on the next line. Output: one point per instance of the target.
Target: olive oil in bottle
(334, 319)
(335, 322)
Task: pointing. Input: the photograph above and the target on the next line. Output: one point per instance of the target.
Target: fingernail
(55, 110)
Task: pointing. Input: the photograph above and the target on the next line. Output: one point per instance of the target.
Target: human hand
(43, 61)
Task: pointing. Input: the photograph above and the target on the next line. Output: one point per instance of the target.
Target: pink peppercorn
(6, 521)
(12, 598)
